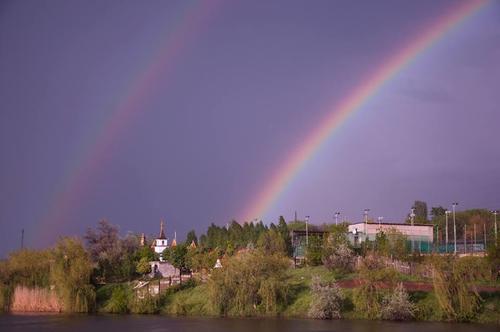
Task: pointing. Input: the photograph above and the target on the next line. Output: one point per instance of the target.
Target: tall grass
(36, 300)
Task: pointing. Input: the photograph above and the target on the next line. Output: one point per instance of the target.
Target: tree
(455, 285)
(104, 246)
(177, 256)
(143, 266)
(437, 211)
(116, 257)
(271, 242)
(191, 237)
(285, 235)
(420, 210)
(314, 251)
(249, 284)
(70, 273)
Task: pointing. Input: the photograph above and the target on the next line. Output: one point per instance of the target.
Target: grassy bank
(193, 299)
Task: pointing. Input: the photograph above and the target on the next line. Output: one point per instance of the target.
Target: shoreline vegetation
(98, 274)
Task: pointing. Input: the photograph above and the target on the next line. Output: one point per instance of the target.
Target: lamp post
(307, 232)
(412, 219)
(496, 234)
(337, 214)
(453, 205)
(447, 212)
(307, 239)
(484, 235)
(465, 238)
(365, 213)
(412, 215)
(474, 247)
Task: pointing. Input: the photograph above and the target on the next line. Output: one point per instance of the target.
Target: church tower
(161, 242)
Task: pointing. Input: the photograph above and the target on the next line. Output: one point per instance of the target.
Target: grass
(188, 302)
(193, 299)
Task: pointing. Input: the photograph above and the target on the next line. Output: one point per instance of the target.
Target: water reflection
(108, 323)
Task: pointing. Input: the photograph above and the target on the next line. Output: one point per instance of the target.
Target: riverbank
(192, 300)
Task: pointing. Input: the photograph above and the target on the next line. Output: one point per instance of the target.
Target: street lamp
(412, 215)
(337, 214)
(365, 213)
(447, 212)
(412, 219)
(495, 212)
(307, 232)
(453, 205)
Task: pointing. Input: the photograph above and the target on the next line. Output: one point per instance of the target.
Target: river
(109, 323)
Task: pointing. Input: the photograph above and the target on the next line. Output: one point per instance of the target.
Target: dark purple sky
(247, 86)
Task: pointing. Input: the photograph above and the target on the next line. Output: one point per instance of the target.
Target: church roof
(162, 233)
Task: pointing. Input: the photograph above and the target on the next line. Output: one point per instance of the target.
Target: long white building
(421, 235)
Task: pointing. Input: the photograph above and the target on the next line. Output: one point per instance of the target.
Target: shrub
(397, 305)
(147, 305)
(327, 300)
(367, 298)
(340, 258)
(119, 300)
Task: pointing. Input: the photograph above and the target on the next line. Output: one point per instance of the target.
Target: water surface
(109, 323)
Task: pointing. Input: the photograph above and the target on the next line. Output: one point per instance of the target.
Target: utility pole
(496, 234)
(365, 213)
(307, 231)
(307, 237)
(465, 238)
(412, 218)
(474, 248)
(484, 235)
(22, 238)
(454, 226)
(436, 246)
(447, 212)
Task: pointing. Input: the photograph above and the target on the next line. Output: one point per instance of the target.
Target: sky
(137, 111)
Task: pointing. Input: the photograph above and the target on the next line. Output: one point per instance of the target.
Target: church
(161, 242)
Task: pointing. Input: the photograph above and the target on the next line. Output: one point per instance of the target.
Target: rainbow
(75, 183)
(354, 101)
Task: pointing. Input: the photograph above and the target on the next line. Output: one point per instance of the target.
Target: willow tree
(454, 281)
(70, 274)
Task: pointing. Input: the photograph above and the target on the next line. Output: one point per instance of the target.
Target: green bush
(427, 307)
(118, 303)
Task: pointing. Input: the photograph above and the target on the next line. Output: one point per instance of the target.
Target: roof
(162, 233)
(390, 224)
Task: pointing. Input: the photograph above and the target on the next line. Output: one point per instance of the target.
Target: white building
(161, 242)
(421, 236)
